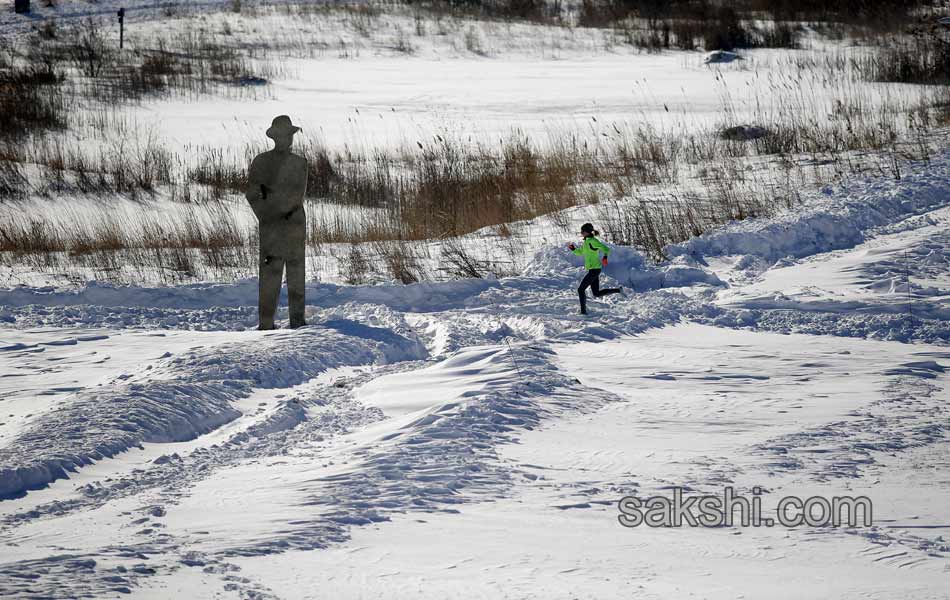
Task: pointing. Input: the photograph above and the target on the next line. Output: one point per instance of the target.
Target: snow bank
(841, 219)
(628, 266)
(835, 220)
(180, 398)
(435, 459)
(417, 297)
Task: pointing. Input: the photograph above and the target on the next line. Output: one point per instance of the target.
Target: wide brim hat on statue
(281, 126)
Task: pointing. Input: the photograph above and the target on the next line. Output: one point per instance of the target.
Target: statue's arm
(299, 188)
(255, 192)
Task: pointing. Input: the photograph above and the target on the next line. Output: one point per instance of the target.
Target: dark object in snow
(743, 133)
(249, 80)
(121, 28)
(21, 6)
(721, 56)
(277, 180)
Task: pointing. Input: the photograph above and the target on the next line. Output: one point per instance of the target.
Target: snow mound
(435, 459)
(841, 220)
(417, 297)
(627, 265)
(180, 398)
(743, 133)
(721, 57)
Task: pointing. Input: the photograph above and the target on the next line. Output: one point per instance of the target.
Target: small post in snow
(21, 6)
(910, 299)
(511, 353)
(121, 28)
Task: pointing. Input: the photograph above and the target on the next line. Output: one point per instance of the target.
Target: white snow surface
(471, 439)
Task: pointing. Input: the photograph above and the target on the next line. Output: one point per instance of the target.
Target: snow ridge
(842, 219)
(185, 397)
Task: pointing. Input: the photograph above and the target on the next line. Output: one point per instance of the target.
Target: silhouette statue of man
(277, 180)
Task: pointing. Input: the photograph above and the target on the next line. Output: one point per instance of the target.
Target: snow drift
(186, 396)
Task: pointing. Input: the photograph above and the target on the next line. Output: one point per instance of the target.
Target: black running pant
(592, 281)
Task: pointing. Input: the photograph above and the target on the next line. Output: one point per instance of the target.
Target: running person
(590, 249)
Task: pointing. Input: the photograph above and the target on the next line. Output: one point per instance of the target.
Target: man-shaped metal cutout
(277, 181)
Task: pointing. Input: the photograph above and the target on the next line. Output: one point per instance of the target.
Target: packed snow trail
(156, 467)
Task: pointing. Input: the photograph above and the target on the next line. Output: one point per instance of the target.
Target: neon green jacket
(590, 250)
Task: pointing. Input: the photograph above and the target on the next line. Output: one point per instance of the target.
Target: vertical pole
(121, 28)
(910, 299)
(514, 361)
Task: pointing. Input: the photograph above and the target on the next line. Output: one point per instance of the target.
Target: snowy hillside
(472, 439)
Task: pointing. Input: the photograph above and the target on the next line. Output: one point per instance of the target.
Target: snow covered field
(392, 83)
(391, 80)
(472, 439)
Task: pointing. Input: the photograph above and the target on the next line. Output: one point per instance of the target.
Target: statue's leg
(297, 283)
(271, 274)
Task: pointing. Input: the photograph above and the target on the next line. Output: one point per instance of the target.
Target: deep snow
(413, 438)
(471, 439)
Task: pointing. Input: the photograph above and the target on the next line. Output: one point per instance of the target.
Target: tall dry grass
(443, 189)
(921, 58)
(128, 249)
(653, 187)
